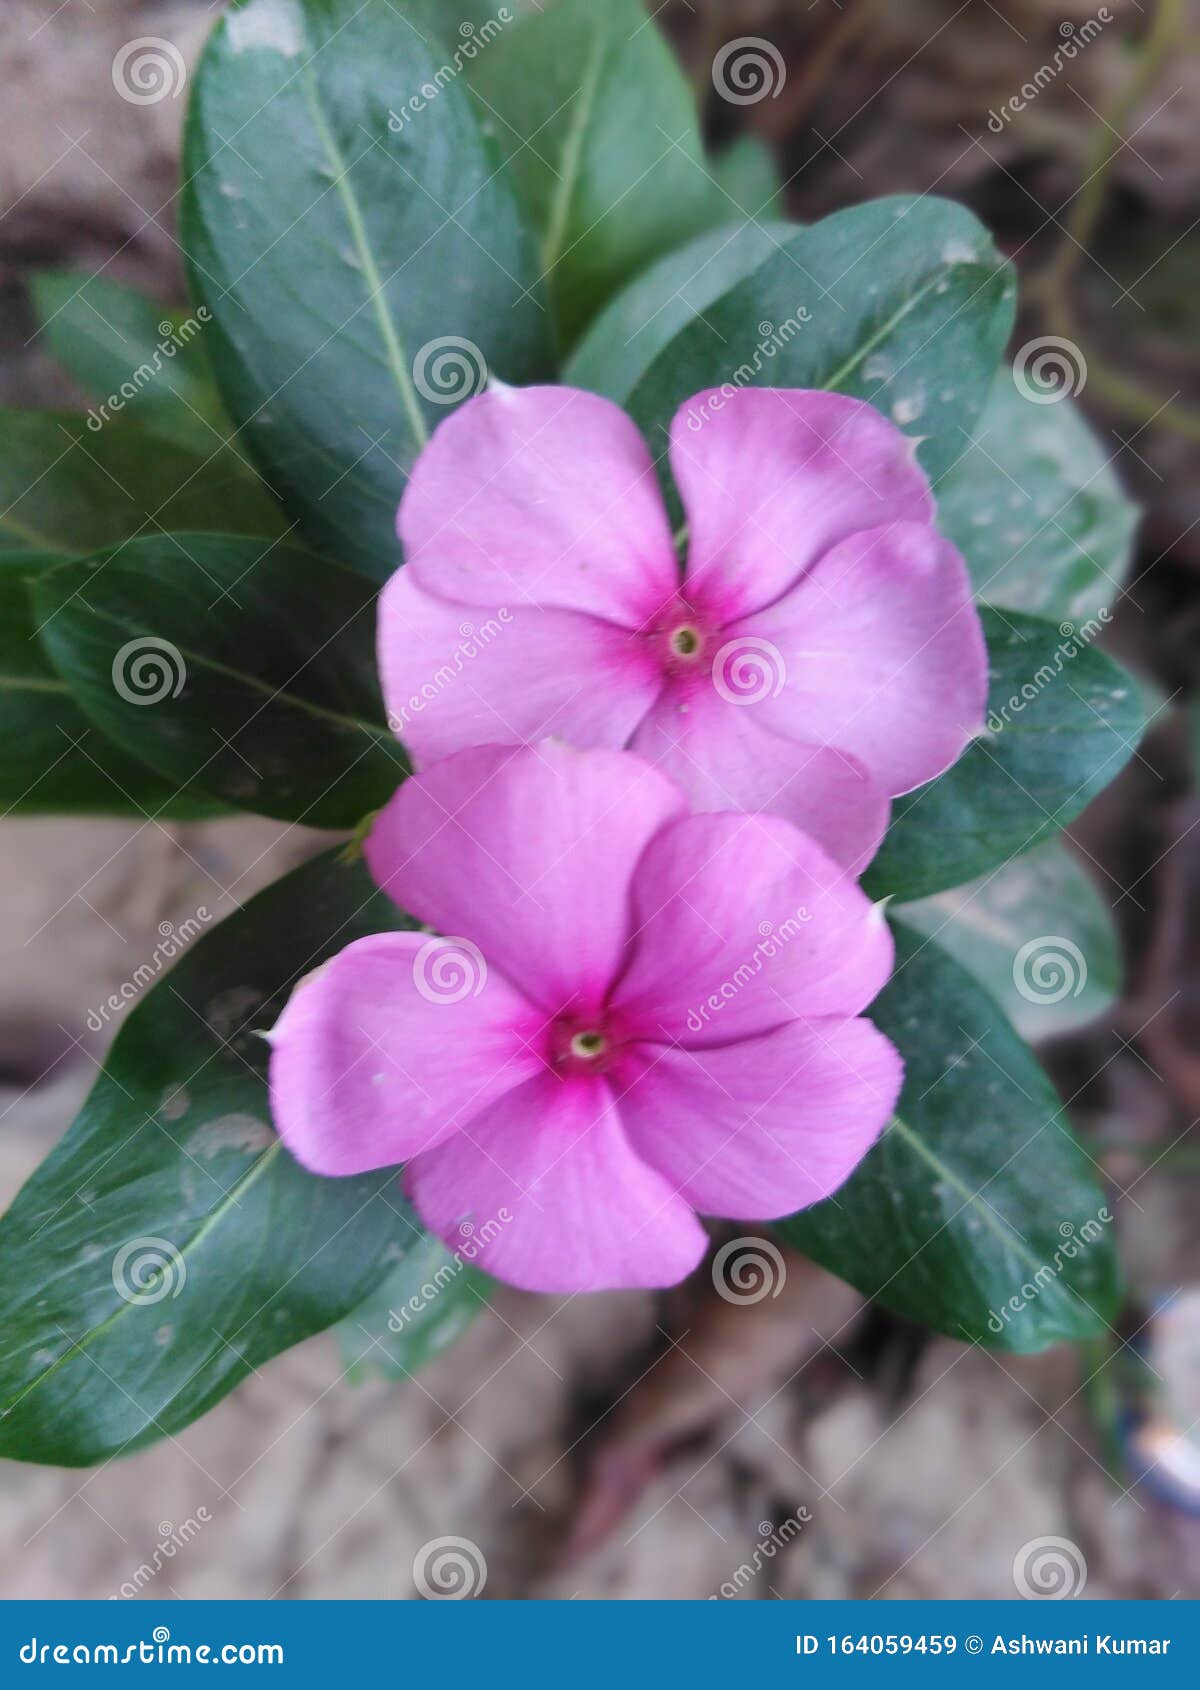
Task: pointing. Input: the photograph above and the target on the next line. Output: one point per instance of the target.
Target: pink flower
(819, 654)
(638, 1014)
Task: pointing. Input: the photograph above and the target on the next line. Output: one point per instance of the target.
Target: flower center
(588, 1046)
(685, 641)
(582, 1043)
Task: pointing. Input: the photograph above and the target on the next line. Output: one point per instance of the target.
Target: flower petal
(527, 852)
(743, 923)
(553, 1197)
(391, 1047)
(453, 678)
(540, 495)
(882, 654)
(726, 757)
(771, 478)
(762, 1128)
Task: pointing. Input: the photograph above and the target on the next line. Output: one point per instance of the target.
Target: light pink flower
(637, 1014)
(819, 654)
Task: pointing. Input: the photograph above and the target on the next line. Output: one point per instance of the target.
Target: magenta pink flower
(636, 1014)
(819, 654)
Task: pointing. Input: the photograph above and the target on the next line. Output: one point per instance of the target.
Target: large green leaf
(116, 342)
(903, 302)
(52, 759)
(66, 487)
(1063, 719)
(603, 141)
(365, 266)
(644, 317)
(170, 1244)
(747, 172)
(418, 1311)
(1037, 934)
(1036, 510)
(978, 1197)
(241, 668)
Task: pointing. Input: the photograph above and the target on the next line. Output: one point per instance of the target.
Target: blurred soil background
(637, 1445)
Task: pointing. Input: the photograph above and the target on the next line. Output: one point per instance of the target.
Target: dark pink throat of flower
(683, 641)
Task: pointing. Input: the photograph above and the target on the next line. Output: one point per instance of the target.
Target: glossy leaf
(363, 258)
(170, 1245)
(1037, 934)
(52, 759)
(978, 1197)
(603, 140)
(426, 1303)
(646, 316)
(241, 668)
(66, 487)
(118, 343)
(1036, 510)
(1063, 720)
(903, 302)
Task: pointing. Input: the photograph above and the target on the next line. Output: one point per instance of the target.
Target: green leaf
(1063, 719)
(1037, 934)
(903, 302)
(978, 1196)
(364, 265)
(746, 171)
(604, 143)
(414, 1314)
(242, 668)
(66, 487)
(1036, 510)
(52, 759)
(120, 345)
(646, 316)
(172, 1161)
